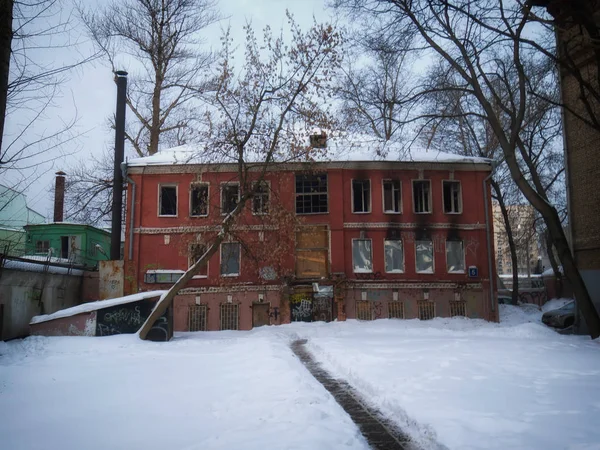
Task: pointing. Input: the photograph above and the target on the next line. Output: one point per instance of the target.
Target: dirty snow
(449, 383)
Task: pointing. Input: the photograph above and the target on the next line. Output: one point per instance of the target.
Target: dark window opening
(64, 247)
(311, 194)
(230, 196)
(260, 202)
(199, 200)
(168, 200)
(391, 196)
(361, 196)
(196, 252)
(452, 201)
(422, 196)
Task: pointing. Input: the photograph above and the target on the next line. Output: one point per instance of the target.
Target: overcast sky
(90, 93)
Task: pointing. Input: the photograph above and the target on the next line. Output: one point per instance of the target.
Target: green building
(14, 215)
(68, 242)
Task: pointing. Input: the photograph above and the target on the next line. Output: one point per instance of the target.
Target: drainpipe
(487, 235)
(131, 217)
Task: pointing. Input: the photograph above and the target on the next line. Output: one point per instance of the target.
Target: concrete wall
(79, 325)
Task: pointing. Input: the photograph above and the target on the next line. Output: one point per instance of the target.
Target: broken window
(362, 259)
(391, 196)
(168, 201)
(42, 246)
(230, 196)
(422, 196)
(230, 259)
(199, 200)
(452, 200)
(394, 255)
(260, 201)
(455, 256)
(196, 252)
(361, 196)
(424, 255)
(230, 316)
(311, 194)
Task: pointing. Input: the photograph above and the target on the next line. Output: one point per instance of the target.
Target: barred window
(260, 201)
(361, 196)
(458, 308)
(311, 194)
(394, 256)
(424, 256)
(167, 200)
(455, 256)
(396, 310)
(391, 196)
(197, 315)
(199, 200)
(426, 310)
(422, 196)
(363, 310)
(362, 258)
(452, 198)
(230, 196)
(230, 316)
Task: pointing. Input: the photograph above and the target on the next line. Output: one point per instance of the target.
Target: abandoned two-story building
(351, 237)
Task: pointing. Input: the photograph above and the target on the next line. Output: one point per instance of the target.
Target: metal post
(117, 204)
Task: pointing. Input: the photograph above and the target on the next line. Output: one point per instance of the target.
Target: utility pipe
(132, 216)
(487, 234)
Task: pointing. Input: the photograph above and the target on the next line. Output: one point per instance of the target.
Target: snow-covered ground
(455, 383)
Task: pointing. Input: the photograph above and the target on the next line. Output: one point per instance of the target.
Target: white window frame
(460, 202)
(162, 185)
(352, 195)
(463, 257)
(432, 257)
(352, 253)
(430, 197)
(201, 183)
(228, 183)
(190, 262)
(228, 275)
(403, 258)
(399, 196)
(268, 185)
(296, 194)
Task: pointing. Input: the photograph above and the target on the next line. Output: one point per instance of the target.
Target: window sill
(453, 213)
(363, 271)
(395, 213)
(199, 277)
(425, 212)
(361, 212)
(165, 215)
(459, 272)
(200, 216)
(310, 214)
(230, 275)
(395, 271)
(426, 272)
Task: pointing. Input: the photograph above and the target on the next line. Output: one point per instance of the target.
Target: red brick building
(347, 238)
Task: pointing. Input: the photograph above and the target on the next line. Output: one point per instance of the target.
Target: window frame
(160, 186)
(460, 201)
(190, 263)
(463, 257)
(432, 257)
(296, 194)
(430, 196)
(352, 253)
(399, 196)
(370, 209)
(403, 257)
(267, 183)
(45, 241)
(230, 275)
(200, 183)
(221, 187)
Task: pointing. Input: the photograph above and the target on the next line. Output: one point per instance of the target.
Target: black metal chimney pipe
(117, 203)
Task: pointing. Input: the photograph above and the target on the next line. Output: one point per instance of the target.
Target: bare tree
(476, 42)
(261, 115)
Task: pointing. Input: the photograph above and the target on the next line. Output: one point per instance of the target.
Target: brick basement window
(363, 310)
(426, 310)
(458, 309)
(230, 314)
(396, 310)
(197, 317)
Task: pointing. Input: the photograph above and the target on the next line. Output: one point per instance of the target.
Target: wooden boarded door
(260, 314)
(312, 252)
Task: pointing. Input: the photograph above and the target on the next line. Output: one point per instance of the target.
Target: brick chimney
(59, 197)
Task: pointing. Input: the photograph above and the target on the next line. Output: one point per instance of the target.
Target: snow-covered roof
(37, 267)
(94, 306)
(339, 149)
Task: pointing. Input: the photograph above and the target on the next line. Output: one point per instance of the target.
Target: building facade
(324, 241)
(14, 215)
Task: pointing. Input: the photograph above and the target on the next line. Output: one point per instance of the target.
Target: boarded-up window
(394, 256)
(362, 257)
(260, 201)
(311, 194)
(312, 252)
(426, 310)
(391, 196)
(199, 200)
(363, 310)
(195, 253)
(361, 196)
(230, 259)
(396, 310)
(422, 196)
(168, 201)
(455, 256)
(458, 308)
(230, 316)
(197, 317)
(230, 196)
(452, 198)
(424, 255)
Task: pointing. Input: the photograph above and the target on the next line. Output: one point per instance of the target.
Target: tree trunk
(511, 243)
(557, 274)
(6, 34)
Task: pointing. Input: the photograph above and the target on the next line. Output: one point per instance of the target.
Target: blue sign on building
(473, 272)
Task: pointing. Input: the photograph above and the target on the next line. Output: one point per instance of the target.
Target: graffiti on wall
(128, 318)
(301, 307)
(471, 246)
(378, 310)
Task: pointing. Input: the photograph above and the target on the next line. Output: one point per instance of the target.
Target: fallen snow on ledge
(94, 306)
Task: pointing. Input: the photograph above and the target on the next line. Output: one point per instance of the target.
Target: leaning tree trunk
(554, 264)
(6, 34)
(511, 243)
